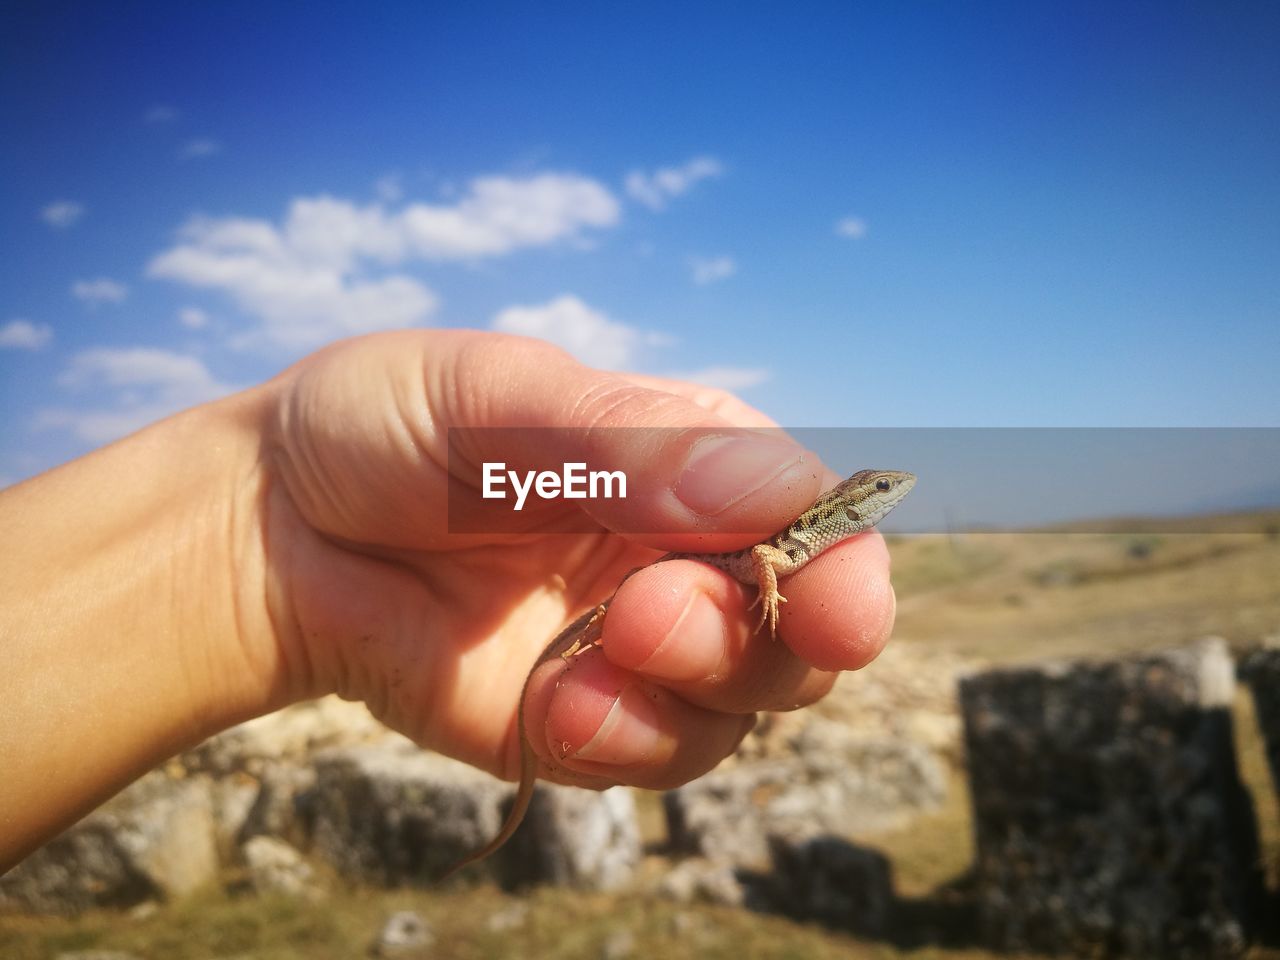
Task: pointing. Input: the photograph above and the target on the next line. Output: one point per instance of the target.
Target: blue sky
(854, 214)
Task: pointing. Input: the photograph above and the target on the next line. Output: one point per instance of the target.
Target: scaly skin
(851, 507)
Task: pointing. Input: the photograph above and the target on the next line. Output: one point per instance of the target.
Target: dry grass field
(993, 598)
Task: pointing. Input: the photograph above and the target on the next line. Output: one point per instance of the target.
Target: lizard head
(869, 494)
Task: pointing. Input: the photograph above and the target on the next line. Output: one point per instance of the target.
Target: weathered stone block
(836, 781)
(1261, 671)
(389, 813)
(276, 867)
(575, 838)
(721, 815)
(698, 879)
(288, 736)
(156, 839)
(834, 882)
(278, 810)
(1109, 813)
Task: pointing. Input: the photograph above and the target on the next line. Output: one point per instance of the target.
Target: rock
(85, 867)
(576, 838)
(1110, 818)
(168, 831)
(389, 813)
(698, 880)
(685, 924)
(907, 693)
(836, 782)
(280, 809)
(1260, 669)
(404, 934)
(233, 799)
(263, 766)
(834, 882)
(143, 911)
(290, 735)
(276, 867)
(509, 918)
(156, 839)
(865, 784)
(720, 816)
(619, 945)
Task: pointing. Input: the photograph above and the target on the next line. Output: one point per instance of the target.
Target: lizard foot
(769, 610)
(590, 635)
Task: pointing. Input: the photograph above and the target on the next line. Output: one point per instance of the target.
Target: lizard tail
(519, 807)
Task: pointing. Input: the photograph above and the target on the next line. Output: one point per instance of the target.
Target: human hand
(372, 596)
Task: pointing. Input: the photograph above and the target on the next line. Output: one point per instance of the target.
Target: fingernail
(721, 470)
(694, 648)
(629, 733)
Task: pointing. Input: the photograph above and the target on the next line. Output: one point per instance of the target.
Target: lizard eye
(884, 485)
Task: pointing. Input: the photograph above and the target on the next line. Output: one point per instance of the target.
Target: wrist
(220, 584)
(134, 623)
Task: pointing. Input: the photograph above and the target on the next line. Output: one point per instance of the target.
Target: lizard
(851, 507)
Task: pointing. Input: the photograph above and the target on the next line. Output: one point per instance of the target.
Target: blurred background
(878, 215)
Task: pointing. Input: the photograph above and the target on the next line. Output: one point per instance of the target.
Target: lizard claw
(769, 612)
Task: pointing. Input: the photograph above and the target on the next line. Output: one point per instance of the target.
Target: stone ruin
(1110, 818)
(1261, 671)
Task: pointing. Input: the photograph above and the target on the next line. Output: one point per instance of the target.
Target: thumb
(693, 480)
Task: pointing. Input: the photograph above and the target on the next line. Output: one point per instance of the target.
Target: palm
(435, 632)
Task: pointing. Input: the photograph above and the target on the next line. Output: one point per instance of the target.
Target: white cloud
(855, 228)
(709, 270)
(726, 378)
(131, 387)
(24, 335)
(193, 318)
(600, 341)
(588, 334)
(299, 302)
(656, 188)
(500, 214)
(200, 147)
(313, 277)
(62, 213)
(140, 366)
(389, 188)
(296, 280)
(337, 234)
(99, 290)
(160, 113)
